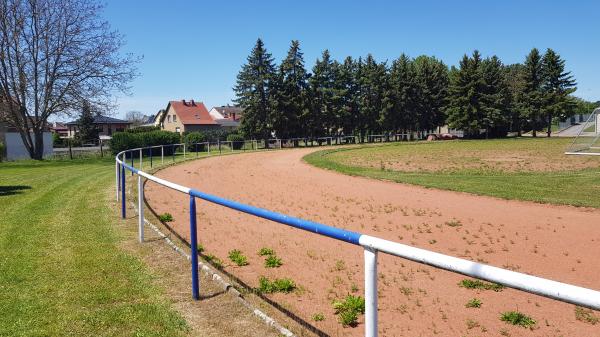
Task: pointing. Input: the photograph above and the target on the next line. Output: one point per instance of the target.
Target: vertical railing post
(117, 180)
(140, 209)
(123, 191)
(150, 149)
(131, 154)
(183, 150)
(208, 148)
(194, 249)
(141, 158)
(173, 152)
(162, 154)
(370, 292)
(196, 148)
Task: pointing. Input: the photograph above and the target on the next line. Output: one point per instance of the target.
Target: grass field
(524, 169)
(62, 270)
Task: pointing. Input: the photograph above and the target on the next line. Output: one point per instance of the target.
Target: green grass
(279, 285)
(477, 284)
(517, 318)
(62, 271)
(472, 166)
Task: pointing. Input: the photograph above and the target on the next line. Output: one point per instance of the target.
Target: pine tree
(347, 95)
(399, 99)
(513, 77)
(532, 99)
(557, 86)
(88, 131)
(289, 100)
(495, 98)
(253, 90)
(464, 101)
(372, 78)
(431, 91)
(322, 85)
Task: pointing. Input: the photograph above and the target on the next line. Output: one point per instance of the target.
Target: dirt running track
(557, 242)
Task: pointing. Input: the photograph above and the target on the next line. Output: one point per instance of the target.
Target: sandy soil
(557, 242)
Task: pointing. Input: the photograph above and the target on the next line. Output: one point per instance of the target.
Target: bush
(193, 138)
(122, 141)
(237, 140)
(141, 129)
(57, 141)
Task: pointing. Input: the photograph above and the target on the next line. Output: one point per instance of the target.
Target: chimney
(184, 103)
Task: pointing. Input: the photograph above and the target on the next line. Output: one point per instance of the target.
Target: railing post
(162, 154)
(183, 150)
(123, 191)
(370, 292)
(196, 148)
(117, 180)
(141, 160)
(231, 144)
(208, 148)
(150, 149)
(140, 209)
(131, 154)
(173, 151)
(194, 249)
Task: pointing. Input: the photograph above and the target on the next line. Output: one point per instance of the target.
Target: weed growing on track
(517, 318)
(238, 258)
(318, 317)
(272, 261)
(477, 284)
(215, 261)
(471, 324)
(283, 285)
(474, 303)
(165, 217)
(586, 315)
(349, 309)
(266, 251)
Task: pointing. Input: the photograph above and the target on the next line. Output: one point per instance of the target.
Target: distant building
(11, 138)
(227, 116)
(61, 129)
(106, 126)
(186, 116)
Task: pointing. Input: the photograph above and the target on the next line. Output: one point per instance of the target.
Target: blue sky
(194, 49)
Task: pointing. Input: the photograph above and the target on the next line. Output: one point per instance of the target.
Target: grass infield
(62, 271)
(523, 169)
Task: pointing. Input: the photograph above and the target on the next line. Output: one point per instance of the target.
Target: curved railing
(372, 245)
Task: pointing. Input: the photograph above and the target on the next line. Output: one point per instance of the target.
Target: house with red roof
(186, 116)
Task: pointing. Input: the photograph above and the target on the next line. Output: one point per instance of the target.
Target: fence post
(117, 178)
(150, 150)
(194, 249)
(123, 191)
(196, 148)
(231, 143)
(162, 154)
(141, 158)
(140, 209)
(183, 150)
(173, 152)
(370, 292)
(131, 154)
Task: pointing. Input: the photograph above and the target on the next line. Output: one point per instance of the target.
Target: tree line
(481, 96)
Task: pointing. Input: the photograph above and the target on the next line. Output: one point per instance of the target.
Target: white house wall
(15, 149)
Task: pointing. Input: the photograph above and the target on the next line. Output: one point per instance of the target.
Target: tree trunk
(38, 147)
(549, 125)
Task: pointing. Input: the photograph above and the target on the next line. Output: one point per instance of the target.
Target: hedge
(127, 140)
(237, 140)
(141, 129)
(193, 138)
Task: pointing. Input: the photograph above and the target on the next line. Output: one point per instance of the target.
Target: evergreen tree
(372, 78)
(495, 98)
(88, 131)
(431, 91)
(323, 95)
(399, 99)
(532, 99)
(513, 76)
(347, 95)
(464, 101)
(557, 86)
(289, 100)
(253, 90)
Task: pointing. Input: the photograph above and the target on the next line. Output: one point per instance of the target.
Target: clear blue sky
(194, 49)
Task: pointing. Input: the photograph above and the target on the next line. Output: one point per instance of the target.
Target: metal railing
(372, 245)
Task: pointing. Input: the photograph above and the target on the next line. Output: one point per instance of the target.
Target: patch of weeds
(318, 317)
(586, 315)
(272, 261)
(349, 309)
(472, 324)
(266, 251)
(477, 284)
(453, 223)
(340, 265)
(215, 261)
(474, 303)
(354, 288)
(200, 248)
(165, 217)
(517, 318)
(238, 258)
(279, 285)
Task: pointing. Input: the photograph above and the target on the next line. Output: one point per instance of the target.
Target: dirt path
(558, 242)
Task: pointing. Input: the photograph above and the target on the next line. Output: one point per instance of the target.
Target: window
(177, 129)
(174, 118)
(168, 118)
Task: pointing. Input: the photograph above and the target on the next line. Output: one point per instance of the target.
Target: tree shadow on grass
(14, 189)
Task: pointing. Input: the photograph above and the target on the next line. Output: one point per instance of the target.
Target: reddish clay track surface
(557, 242)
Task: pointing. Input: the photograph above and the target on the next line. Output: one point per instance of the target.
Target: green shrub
(272, 261)
(142, 129)
(192, 138)
(57, 141)
(349, 309)
(477, 284)
(165, 217)
(238, 258)
(283, 285)
(2, 149)
(237, 140)
(517, 318)
(130, 140)
(266, 251)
